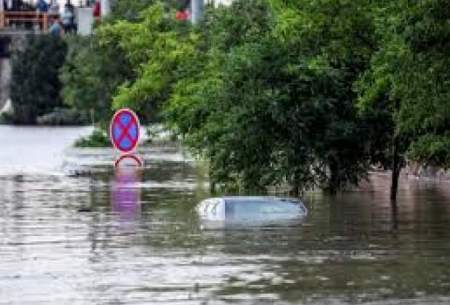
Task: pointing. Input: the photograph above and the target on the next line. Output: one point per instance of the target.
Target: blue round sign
(125, 130)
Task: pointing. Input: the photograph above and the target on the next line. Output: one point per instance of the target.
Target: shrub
(35, 84)
(98, 138)
(62, 116)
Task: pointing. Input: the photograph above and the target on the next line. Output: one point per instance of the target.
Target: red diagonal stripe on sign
(125, 134)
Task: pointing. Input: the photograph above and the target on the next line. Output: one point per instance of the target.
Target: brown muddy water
(74, 231)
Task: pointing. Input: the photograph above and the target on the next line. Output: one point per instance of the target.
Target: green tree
(267, 96)
(131, 9)
(35, 86)
(91, 78)
(409, 75)
(268, 90)
(273, 100)
(158, 48)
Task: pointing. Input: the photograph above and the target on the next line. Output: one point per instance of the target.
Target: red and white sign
(124, 130)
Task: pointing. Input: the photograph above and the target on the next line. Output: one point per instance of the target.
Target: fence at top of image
(19, 18)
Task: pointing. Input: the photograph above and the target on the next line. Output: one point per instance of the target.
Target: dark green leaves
(35, 85)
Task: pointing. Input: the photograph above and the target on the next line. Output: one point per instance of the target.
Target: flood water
(74, 231)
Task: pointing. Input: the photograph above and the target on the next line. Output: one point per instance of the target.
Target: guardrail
(7, 18)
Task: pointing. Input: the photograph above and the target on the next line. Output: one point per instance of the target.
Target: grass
(98, 138)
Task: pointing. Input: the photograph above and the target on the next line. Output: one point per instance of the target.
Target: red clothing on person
(182, 15)
(97, 10)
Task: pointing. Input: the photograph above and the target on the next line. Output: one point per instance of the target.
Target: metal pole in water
(197, 10)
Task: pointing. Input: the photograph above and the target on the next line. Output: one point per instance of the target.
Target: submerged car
(251, 209)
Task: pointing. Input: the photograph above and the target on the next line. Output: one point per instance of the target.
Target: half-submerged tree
(409, 79)
(274, 102)
(35, 84)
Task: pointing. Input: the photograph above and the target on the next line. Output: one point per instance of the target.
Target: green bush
(35, 85)
(98, 138)
(91, 75)
(6, 118)
(62, 116)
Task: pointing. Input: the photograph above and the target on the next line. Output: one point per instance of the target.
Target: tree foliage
(266, 95)
(91, 75)
(298, 92)
(131, 9)
(35, 86)
(410, 75)
(157, 48)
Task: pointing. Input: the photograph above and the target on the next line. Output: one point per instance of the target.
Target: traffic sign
(125, 130)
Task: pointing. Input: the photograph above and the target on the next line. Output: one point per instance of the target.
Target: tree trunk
(212, 180)
(397, 165)
(333, 183)
(397, 159)
(294, 191)
(394, 212)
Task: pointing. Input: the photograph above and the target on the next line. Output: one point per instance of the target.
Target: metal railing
(9, 18)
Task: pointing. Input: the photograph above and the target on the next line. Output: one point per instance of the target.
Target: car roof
(258, 198)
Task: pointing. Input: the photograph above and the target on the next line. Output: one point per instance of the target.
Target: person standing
(54, 8)
(96, 11)
(67, 20)
(70, 7)
(56, 30)
(42, 6)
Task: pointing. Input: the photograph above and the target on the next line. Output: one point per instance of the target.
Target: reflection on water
(103, 237)
(126, 194)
